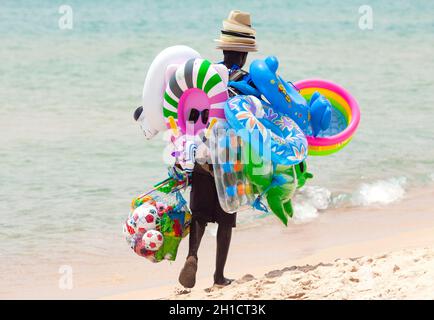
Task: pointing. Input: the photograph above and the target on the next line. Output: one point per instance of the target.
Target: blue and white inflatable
(274, 136)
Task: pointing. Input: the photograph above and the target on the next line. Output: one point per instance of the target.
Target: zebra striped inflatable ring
(195, 94)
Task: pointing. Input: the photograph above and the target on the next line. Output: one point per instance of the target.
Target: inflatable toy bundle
(270, 150)
(258, 139)
(326, 113)
(279, 124)
(156, 225)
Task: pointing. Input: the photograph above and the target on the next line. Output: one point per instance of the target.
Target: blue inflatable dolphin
(284, 98)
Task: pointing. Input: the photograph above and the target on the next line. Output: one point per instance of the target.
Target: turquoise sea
(72, 157)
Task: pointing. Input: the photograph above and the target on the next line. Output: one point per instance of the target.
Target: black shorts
(204, 202)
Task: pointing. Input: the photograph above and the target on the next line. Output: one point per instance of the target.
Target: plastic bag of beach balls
(141, 229)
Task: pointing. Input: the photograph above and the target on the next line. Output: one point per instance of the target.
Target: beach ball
(145, 218)
(152, 240)
(129, 227)
(127, 231)
(138, 246)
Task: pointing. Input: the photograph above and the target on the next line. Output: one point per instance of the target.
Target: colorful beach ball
(138, 245)
(129, 227)
(152, 240)
(128, 233)
(145, 218)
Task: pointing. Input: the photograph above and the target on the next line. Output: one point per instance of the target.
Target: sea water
(72, 157)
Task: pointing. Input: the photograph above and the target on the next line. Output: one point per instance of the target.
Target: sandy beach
(402, 274)
(361, 253)
(372, 252)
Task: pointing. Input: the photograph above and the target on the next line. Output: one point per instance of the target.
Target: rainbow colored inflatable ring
(196, 84)
(345, 116)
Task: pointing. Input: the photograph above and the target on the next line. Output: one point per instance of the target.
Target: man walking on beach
(236, 40)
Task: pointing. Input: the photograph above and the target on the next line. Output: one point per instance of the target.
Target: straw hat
(237, 33)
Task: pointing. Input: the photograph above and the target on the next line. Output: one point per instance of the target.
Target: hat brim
(233, 26)
(236, 40)
(231, 43)
(237, 47)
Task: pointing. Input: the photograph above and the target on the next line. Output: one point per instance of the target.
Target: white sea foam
(309, 201)
(304, 212)
(379, 192)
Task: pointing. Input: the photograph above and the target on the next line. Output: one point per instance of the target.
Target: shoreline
(257, 249)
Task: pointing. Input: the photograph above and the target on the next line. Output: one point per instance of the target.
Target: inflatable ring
(287, 142)
(197, 84)
(344, 106)
(154, 86)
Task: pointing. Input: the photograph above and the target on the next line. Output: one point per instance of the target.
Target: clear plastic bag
(234, 191)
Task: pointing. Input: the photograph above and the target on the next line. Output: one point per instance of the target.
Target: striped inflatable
(198, 79)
